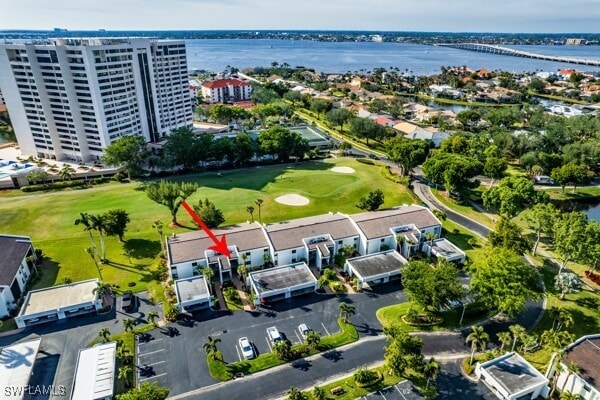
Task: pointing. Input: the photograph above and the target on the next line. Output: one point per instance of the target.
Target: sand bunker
(292, 200)
(343, 170)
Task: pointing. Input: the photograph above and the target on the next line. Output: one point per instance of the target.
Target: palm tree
(152, 316)
(211, 347)
(504, 338)
(283, 350)
(319, 393)
(87, 226)
(242, 269)
(570, 396)
(346, 310)
(66, 173)
(124, 373)
(158, 225)
(259, 203)
(429, 236)
(105, 334)
(517, 332)
(250, 210)
(564, 319)
(295, 394)
(572, 368)
(98, 223)
(123, 354)
(92, 253)
(313, 338)
(430, 370)
(478, 339)
(208, 273)
(128, 324)
(102, 289)
(558, 369)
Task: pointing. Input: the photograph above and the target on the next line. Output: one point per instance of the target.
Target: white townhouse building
(69, 98)
(15, 270)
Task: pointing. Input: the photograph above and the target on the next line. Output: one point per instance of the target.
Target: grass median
(223, 371)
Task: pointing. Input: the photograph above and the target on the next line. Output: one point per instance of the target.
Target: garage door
(302, 291)
(196, 307)
(275, 297)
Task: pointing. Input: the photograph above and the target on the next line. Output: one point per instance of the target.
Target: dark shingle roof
(376, 264)
(289, 234)
(586, 355)
(13, 249)
(376, 224)
(192, 245)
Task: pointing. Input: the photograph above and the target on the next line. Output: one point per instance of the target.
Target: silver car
(246, 347)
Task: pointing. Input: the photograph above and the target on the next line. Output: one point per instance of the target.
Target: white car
(246, 347)
(303, 329)
(274, 335)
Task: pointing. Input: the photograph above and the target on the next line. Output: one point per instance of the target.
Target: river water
(340, 57)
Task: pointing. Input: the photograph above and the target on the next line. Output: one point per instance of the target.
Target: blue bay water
(340, 57)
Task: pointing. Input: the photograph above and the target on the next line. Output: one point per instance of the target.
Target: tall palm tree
(211, 347)
(572, 368)
(504, 338)
(128, 324)
(431, 370)
(152, 316)
(250, 210)
(259, 203)
(124, 373)
(98, 223)
(84, 220)
(92, 253)
(517, 332)
(123, 354)
(478, 339)
(158, 225)
(558, 369)
(346, 310)
(105, 334)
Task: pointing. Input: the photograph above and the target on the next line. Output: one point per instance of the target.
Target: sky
(536, 16)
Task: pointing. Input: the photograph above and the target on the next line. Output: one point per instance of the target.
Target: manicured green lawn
(223, 371)
(464, 209)
(468, 242)
(49, 217)
(583, 305)
(580, 193)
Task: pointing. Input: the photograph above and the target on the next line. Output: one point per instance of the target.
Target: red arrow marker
(220, 245)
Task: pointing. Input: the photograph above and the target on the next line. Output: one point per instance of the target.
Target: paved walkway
(238, 285)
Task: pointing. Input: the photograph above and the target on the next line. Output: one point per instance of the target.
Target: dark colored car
(127, 301)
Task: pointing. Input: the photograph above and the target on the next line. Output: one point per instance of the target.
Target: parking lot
(402, 391)
(175, 359)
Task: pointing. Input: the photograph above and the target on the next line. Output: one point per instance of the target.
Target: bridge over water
(506, 51)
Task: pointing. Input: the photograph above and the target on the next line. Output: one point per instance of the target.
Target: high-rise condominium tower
(70, 98)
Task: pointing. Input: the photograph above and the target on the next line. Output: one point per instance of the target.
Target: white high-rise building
(70, 98)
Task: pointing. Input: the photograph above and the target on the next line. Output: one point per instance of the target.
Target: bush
(386, 172)
(55, 185)
(337, 287)
(365, 161)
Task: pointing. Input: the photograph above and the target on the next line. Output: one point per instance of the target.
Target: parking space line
(298, 336)
(152, 352)
(269, 344)
(238, 353)
(150, 342)
(158, 362)
(151, 377)
(326, 331)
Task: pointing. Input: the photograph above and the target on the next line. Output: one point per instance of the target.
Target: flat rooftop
(53, 298)
(282, 277)
(16, 364)
(514, 374)
(376, 224)
(191, 246)
(190, 289)
(445, 248)
(95, 372)
(377, 264)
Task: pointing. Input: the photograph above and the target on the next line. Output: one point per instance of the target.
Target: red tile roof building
(226, 90)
